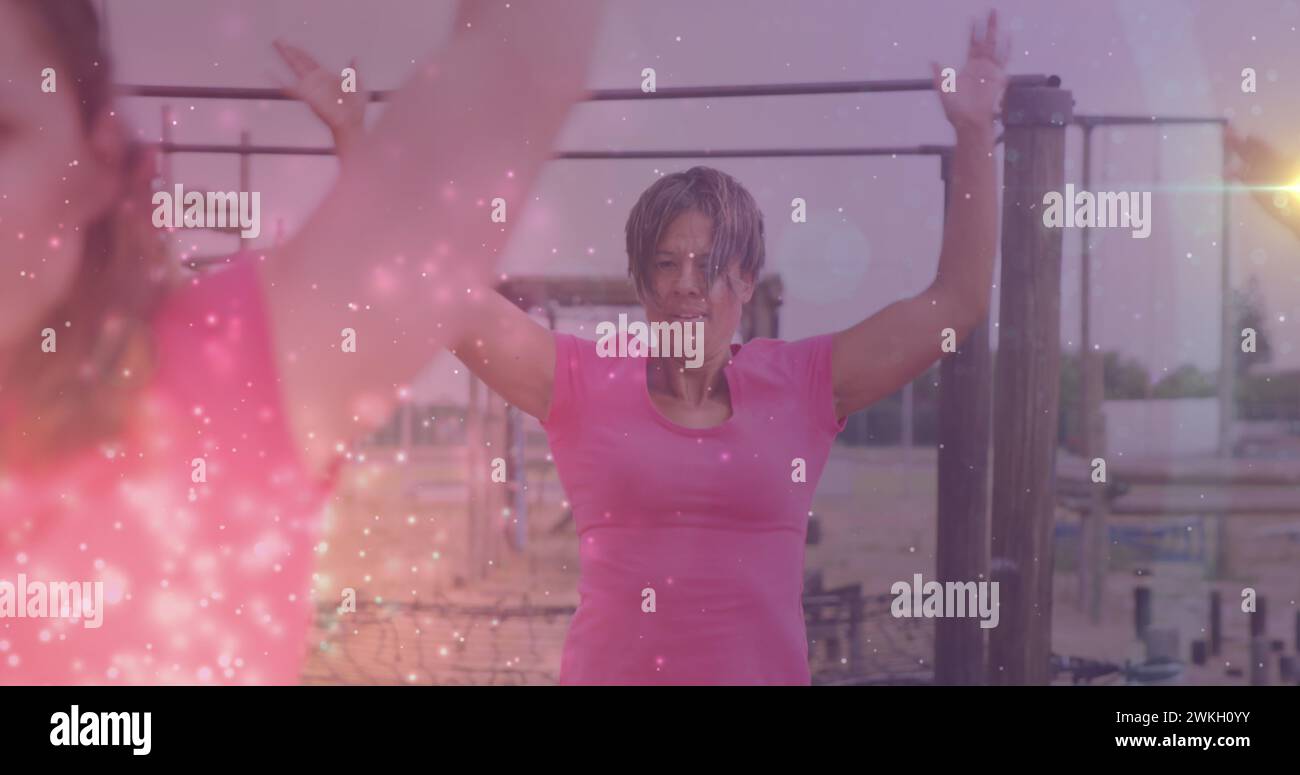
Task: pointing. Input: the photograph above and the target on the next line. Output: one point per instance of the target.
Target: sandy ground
(397, 537)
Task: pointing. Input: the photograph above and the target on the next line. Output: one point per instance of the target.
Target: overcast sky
(873, 227)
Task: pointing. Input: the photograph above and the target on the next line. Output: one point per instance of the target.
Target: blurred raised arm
(403, 248)
(884, 352)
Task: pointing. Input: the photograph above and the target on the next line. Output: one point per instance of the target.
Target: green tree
(1186, 381)
(1125, 378)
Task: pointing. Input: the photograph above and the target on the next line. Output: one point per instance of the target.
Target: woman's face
(53, 179)
(676, 276)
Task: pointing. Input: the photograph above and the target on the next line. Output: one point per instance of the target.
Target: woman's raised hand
(981, 81)
(344, 112)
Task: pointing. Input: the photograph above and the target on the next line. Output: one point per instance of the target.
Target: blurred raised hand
(981, 80)
(403, 249)
(344, 112)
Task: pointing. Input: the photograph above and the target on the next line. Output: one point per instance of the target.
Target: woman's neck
(694, 386)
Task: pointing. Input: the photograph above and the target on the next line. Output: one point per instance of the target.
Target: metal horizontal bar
(530, 291)
(1086, 120)
(257, 150)
(789, 89)
(219, 92)
(603, 95)
(704, 153)
(759, 153)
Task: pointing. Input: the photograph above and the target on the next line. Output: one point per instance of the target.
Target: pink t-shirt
(203, 581)
(712, 520)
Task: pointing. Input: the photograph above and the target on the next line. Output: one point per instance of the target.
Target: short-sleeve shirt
(200, 522)
(691, 540)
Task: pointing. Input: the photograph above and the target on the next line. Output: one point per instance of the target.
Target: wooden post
(1141, 612)
(517, 478)
(1216, 622)
(1259, 618)
(474, 473)
(1025, 406)
(908, 409)
(1258, 662)
(909, 390)
(1228, 338)
(495, 496)
(1297, 633)
(1218, 554)
(1259, 645)
(965, 391)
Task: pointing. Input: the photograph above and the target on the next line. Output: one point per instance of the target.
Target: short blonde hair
(738, 233)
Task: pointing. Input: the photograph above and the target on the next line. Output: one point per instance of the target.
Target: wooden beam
(965, 394)
(1201, 471)
(1026, 403)
(1156, 501)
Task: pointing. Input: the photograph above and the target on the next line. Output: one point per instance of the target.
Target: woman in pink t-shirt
(691, 473)
(165, 443)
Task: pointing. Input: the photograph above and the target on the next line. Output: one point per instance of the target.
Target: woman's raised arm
(892, 347)
(405, 245)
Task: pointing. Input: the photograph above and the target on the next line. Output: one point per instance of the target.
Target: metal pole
(1114, 120)
(701, 153)
(745, 153)
(1085, 404)
(961, 549)
(167, 141)
(1228, 338)
(604, 95)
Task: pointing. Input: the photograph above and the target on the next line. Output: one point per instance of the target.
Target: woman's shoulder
(786, 357)
(577, 350)
(798, 371)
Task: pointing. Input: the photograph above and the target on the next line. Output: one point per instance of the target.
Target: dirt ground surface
(397, 537)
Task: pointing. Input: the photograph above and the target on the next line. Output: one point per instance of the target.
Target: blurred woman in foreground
(166, 442)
